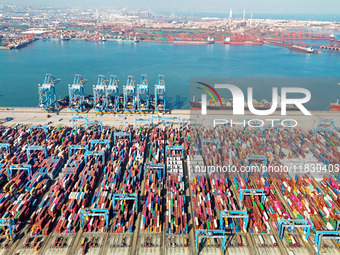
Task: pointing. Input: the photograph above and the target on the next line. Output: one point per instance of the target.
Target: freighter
(252, 41)
(304, 49)
(299, 48)
(323, 37)
(209, 40)
(129, 39)
(335, 106)
(64, 103)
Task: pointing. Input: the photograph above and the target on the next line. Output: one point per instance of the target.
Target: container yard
(111, 168)
(139, 189)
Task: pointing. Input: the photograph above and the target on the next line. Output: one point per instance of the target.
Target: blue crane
(228, 214)
(6, 147)
(325, 234)
(159, 168)
(123, 197)
(96, 123)
(35, 148)
(9, 223)
(294, 223)
(74, 148)
(95, 154)
(87, 212)
(115, 197)
(17, 167)
(143, 95)
(325, 125)
(47, 95)
(120, 134)
(129, 95)
(210, 234)
(76, 94)
(99, 98)
(251, 192)
(160, 99)
(174, 148)
(43, 127)
(112, 95)
(95, 142)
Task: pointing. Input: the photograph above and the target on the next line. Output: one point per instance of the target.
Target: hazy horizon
(212, 6)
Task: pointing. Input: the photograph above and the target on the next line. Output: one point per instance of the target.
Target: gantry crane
(76, 94)
(252, 192)
(47, 95)
(89, 212)
(99, 95)
(17, 167)
(112, 95)
(227, 217)
(129, 95)
(10, 224)
(143, 95)
(160, 95)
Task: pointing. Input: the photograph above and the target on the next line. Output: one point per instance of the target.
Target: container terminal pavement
(137, 190)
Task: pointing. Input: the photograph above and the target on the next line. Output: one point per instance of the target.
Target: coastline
(34, 116)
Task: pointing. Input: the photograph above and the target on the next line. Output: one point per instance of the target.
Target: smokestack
(244, 15)
(230, 16)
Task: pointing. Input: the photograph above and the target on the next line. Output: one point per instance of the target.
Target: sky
(260, 6)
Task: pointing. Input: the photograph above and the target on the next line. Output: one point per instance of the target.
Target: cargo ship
(209, 40)
(128, 39)
(64, 103)
(228, 105)
(335, 106)
(323, 37)
(63, 38)
(298, 48)
(304, 49)
(252, 41)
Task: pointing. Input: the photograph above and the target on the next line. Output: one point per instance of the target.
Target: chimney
(230, 16)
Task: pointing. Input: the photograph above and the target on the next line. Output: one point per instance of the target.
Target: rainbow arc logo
(209, 93)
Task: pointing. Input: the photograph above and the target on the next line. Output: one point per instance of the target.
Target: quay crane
(160, 95)
(76, 94)
(129, 95)
(112, 95)
(47, 95)
(143, 95)
(99, 94)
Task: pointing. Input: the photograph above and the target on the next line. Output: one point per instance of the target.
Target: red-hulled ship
(335, 106)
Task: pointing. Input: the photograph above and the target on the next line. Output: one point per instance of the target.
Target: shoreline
(35, 116)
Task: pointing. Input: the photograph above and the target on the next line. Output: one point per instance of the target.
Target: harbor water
(22, 69)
